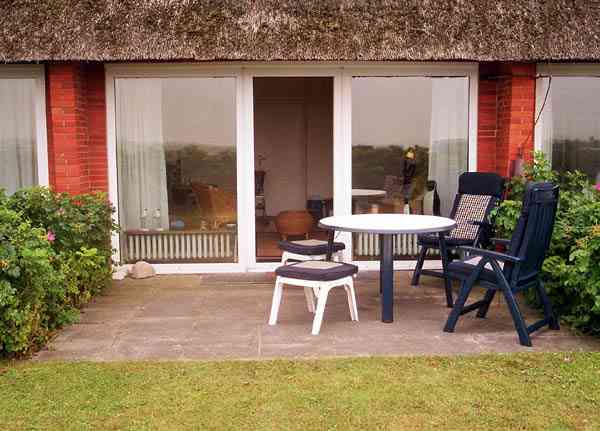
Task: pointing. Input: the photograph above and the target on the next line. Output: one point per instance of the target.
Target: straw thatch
(105, 30)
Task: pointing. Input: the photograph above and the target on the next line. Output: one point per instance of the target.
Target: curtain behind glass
(17, 134)
(449, 132)
(545, 116)
(142, 177)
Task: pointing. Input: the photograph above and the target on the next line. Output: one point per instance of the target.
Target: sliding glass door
(409, 145)
(210, 166)
(176, 169)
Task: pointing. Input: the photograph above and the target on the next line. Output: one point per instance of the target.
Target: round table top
(367, 193)
(388, 223)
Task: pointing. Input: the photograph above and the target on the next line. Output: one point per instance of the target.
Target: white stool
(318, 278)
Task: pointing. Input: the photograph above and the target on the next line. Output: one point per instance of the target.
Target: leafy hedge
(55, 254)
(571, 271)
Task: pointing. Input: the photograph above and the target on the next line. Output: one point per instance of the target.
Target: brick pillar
(516, 110)
(67, 130)
(487, 117)
(506, 115)
(96, 104)
(76, 121)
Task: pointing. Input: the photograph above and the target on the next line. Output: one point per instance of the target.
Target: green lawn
(525, 391)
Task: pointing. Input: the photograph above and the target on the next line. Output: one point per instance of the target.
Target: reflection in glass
(177, 169)
(571, 130)
(17, 134)
(409, 145)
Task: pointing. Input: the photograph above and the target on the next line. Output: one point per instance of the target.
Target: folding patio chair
(478, 193)
(514, 271)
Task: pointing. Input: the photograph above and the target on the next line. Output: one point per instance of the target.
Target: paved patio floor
(224, 317)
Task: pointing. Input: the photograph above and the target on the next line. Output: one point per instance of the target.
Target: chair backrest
(532, 235)
(478, 194)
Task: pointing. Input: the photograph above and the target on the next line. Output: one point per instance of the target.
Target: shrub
(54, 256)
(571, 271)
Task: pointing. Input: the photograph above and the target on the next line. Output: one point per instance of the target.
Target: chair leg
(459, 304)
(548, 311)
(277, 294)
(321, 301)
(380, 264)
(516, 316)
(447, 281)
(349, 287)
(310, 299)
(488, 298)
(417, 272)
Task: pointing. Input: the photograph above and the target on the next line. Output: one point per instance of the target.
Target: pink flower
(50, 236)
(598, 187)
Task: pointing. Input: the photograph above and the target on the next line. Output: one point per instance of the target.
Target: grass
(518, 391)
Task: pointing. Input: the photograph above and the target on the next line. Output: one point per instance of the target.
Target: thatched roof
(105, 30)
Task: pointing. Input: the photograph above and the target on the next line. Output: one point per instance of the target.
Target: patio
(224, 317)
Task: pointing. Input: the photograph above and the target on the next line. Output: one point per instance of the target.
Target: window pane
(409, 145)
(177, 169)
(571, 134)
(17, 134)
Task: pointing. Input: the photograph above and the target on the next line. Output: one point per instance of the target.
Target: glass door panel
(176, 169)
(409, 145)
(293, 147)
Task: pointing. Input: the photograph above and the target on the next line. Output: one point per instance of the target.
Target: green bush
(571, 271)
(54, 256)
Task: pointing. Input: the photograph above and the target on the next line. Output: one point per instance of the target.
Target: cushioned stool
(309, 249)
(317, 277)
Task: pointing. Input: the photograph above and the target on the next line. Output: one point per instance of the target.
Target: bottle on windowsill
(157, 221)
(144, 219)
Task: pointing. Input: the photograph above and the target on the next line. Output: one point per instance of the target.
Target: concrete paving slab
(223, 316)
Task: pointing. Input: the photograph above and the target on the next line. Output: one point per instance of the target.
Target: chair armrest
(501, 241)
(491, 254)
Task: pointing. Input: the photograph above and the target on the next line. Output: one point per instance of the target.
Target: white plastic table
(368, 193)
(388, 225)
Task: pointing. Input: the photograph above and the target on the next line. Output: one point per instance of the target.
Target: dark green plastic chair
(514, 271)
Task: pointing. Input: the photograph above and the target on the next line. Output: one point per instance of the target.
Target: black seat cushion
(317, 270)
(433, 241)
(465, 267)
(309, 247)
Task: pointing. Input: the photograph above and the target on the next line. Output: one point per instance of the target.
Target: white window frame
(563, 70)
(245, 72)
(35, 72)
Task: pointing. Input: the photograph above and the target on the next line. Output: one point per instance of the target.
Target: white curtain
(17, 134)
(546, 130)
(142, 175)
(448, 137)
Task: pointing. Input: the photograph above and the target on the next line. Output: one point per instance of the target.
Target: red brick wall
(96, 116)
(487, 125)
(510, 135)
(76, 118)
